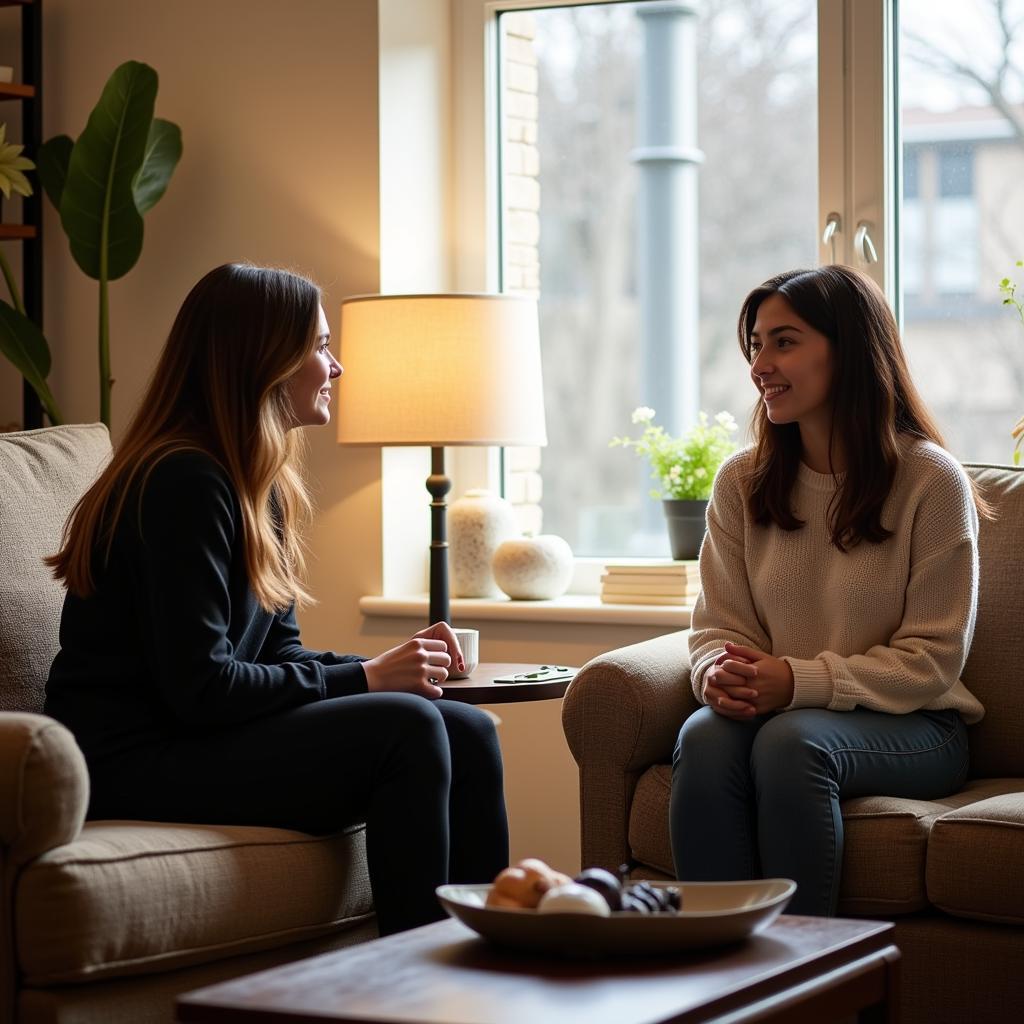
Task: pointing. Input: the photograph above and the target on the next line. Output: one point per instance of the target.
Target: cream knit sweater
(885, 626)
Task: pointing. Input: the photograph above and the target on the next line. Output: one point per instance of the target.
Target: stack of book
(650, 583)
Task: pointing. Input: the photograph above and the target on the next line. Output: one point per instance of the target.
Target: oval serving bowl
(712, 914)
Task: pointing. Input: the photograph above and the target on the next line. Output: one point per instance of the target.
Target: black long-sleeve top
(172, 641)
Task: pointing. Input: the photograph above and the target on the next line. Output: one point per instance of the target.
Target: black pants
(426, 777)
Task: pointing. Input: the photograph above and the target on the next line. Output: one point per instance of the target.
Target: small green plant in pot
(684, 469)
(1009, 290)
(103, 183)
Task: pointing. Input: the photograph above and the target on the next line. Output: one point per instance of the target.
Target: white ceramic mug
(469, 641)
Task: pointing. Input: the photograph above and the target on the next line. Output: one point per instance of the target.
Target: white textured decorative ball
(533, 568)
(477, 523)
(573, 899)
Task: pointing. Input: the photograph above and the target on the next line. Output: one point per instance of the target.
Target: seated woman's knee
(703, 736)
(789, 738)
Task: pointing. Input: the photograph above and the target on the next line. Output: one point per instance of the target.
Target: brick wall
(521, 226)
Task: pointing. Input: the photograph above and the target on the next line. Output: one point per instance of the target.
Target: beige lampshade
(440, 370)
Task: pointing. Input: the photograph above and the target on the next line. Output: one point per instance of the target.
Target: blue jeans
(760, 798)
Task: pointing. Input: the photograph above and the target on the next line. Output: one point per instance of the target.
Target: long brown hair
(218, 388)
(874, 403)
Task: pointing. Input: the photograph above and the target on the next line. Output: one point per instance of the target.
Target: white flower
(700, 472)
(703, 417)
(725, 419)
(675, 473)
(12, 163)
(643, 414)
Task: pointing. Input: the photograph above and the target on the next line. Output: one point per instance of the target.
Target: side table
(480, 687)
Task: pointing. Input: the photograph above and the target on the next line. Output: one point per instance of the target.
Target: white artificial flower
(643, 414)
(700, 472)
(725, 419)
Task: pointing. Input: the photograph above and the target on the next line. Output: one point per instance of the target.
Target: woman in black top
(181, 672)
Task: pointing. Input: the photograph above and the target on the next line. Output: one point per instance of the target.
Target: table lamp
(438, 370)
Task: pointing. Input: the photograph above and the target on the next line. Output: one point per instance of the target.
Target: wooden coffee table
(480, 687)
(801, 970)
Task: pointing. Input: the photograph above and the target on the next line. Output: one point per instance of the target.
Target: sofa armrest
(621, 715)
(44, 786)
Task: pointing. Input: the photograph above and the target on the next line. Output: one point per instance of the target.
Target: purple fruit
(603, 882)
(654, 900)
(634, 903)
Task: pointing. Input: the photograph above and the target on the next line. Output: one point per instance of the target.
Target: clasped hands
(418, 665)
(744, 682)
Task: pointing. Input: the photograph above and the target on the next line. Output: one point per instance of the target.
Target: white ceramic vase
(477, 524)
(534, 568)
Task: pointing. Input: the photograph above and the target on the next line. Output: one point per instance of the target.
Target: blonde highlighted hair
(218, 388)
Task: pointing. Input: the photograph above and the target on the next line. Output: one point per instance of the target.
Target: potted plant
(684, 469)
(102, 184)
(1009, 290)
(105, 181)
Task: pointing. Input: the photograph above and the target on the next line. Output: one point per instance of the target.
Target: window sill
(574, 608)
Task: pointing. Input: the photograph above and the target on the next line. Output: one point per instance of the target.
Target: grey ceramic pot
(686, 523)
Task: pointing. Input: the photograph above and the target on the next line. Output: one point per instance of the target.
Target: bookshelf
(29, 232)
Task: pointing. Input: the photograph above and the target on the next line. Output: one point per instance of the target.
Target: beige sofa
(108, 921)
(949, 872)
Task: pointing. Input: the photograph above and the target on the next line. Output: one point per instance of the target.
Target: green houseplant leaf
(163, 151)
(97, 206)
(52, 161)
(103, 183)
(23, 344)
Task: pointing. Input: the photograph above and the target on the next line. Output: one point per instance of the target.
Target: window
(796, 116)
(657, 163)
(962, 112)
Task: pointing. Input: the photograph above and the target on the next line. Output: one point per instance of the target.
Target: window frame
(858, 158)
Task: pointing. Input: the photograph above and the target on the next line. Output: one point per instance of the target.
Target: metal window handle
(833, 225)
(863, 245)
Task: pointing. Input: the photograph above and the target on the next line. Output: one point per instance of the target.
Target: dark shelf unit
(29, 232)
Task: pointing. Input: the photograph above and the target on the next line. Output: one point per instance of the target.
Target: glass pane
(962, 96)
(657, 164)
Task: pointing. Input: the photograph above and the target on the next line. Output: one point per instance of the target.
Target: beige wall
(278, 108)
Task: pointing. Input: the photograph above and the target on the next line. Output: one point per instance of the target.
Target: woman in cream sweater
(839, 591)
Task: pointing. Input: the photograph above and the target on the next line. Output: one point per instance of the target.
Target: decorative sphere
(533, 568)
(477, 523)
(573, 899)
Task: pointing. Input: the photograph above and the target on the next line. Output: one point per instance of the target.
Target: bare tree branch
(993, 85)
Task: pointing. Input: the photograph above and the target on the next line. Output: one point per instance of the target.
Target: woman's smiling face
(310, 386)
(791, 365)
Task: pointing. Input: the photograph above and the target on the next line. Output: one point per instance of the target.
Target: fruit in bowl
(522, 885)
(533, 885)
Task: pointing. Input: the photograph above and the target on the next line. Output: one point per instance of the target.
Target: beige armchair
(108, 921)
(949, 872)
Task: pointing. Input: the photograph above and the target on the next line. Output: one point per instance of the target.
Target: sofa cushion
(134, 897)
(42, 474)
(975, 855)
(998, 646)
(885, 847)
